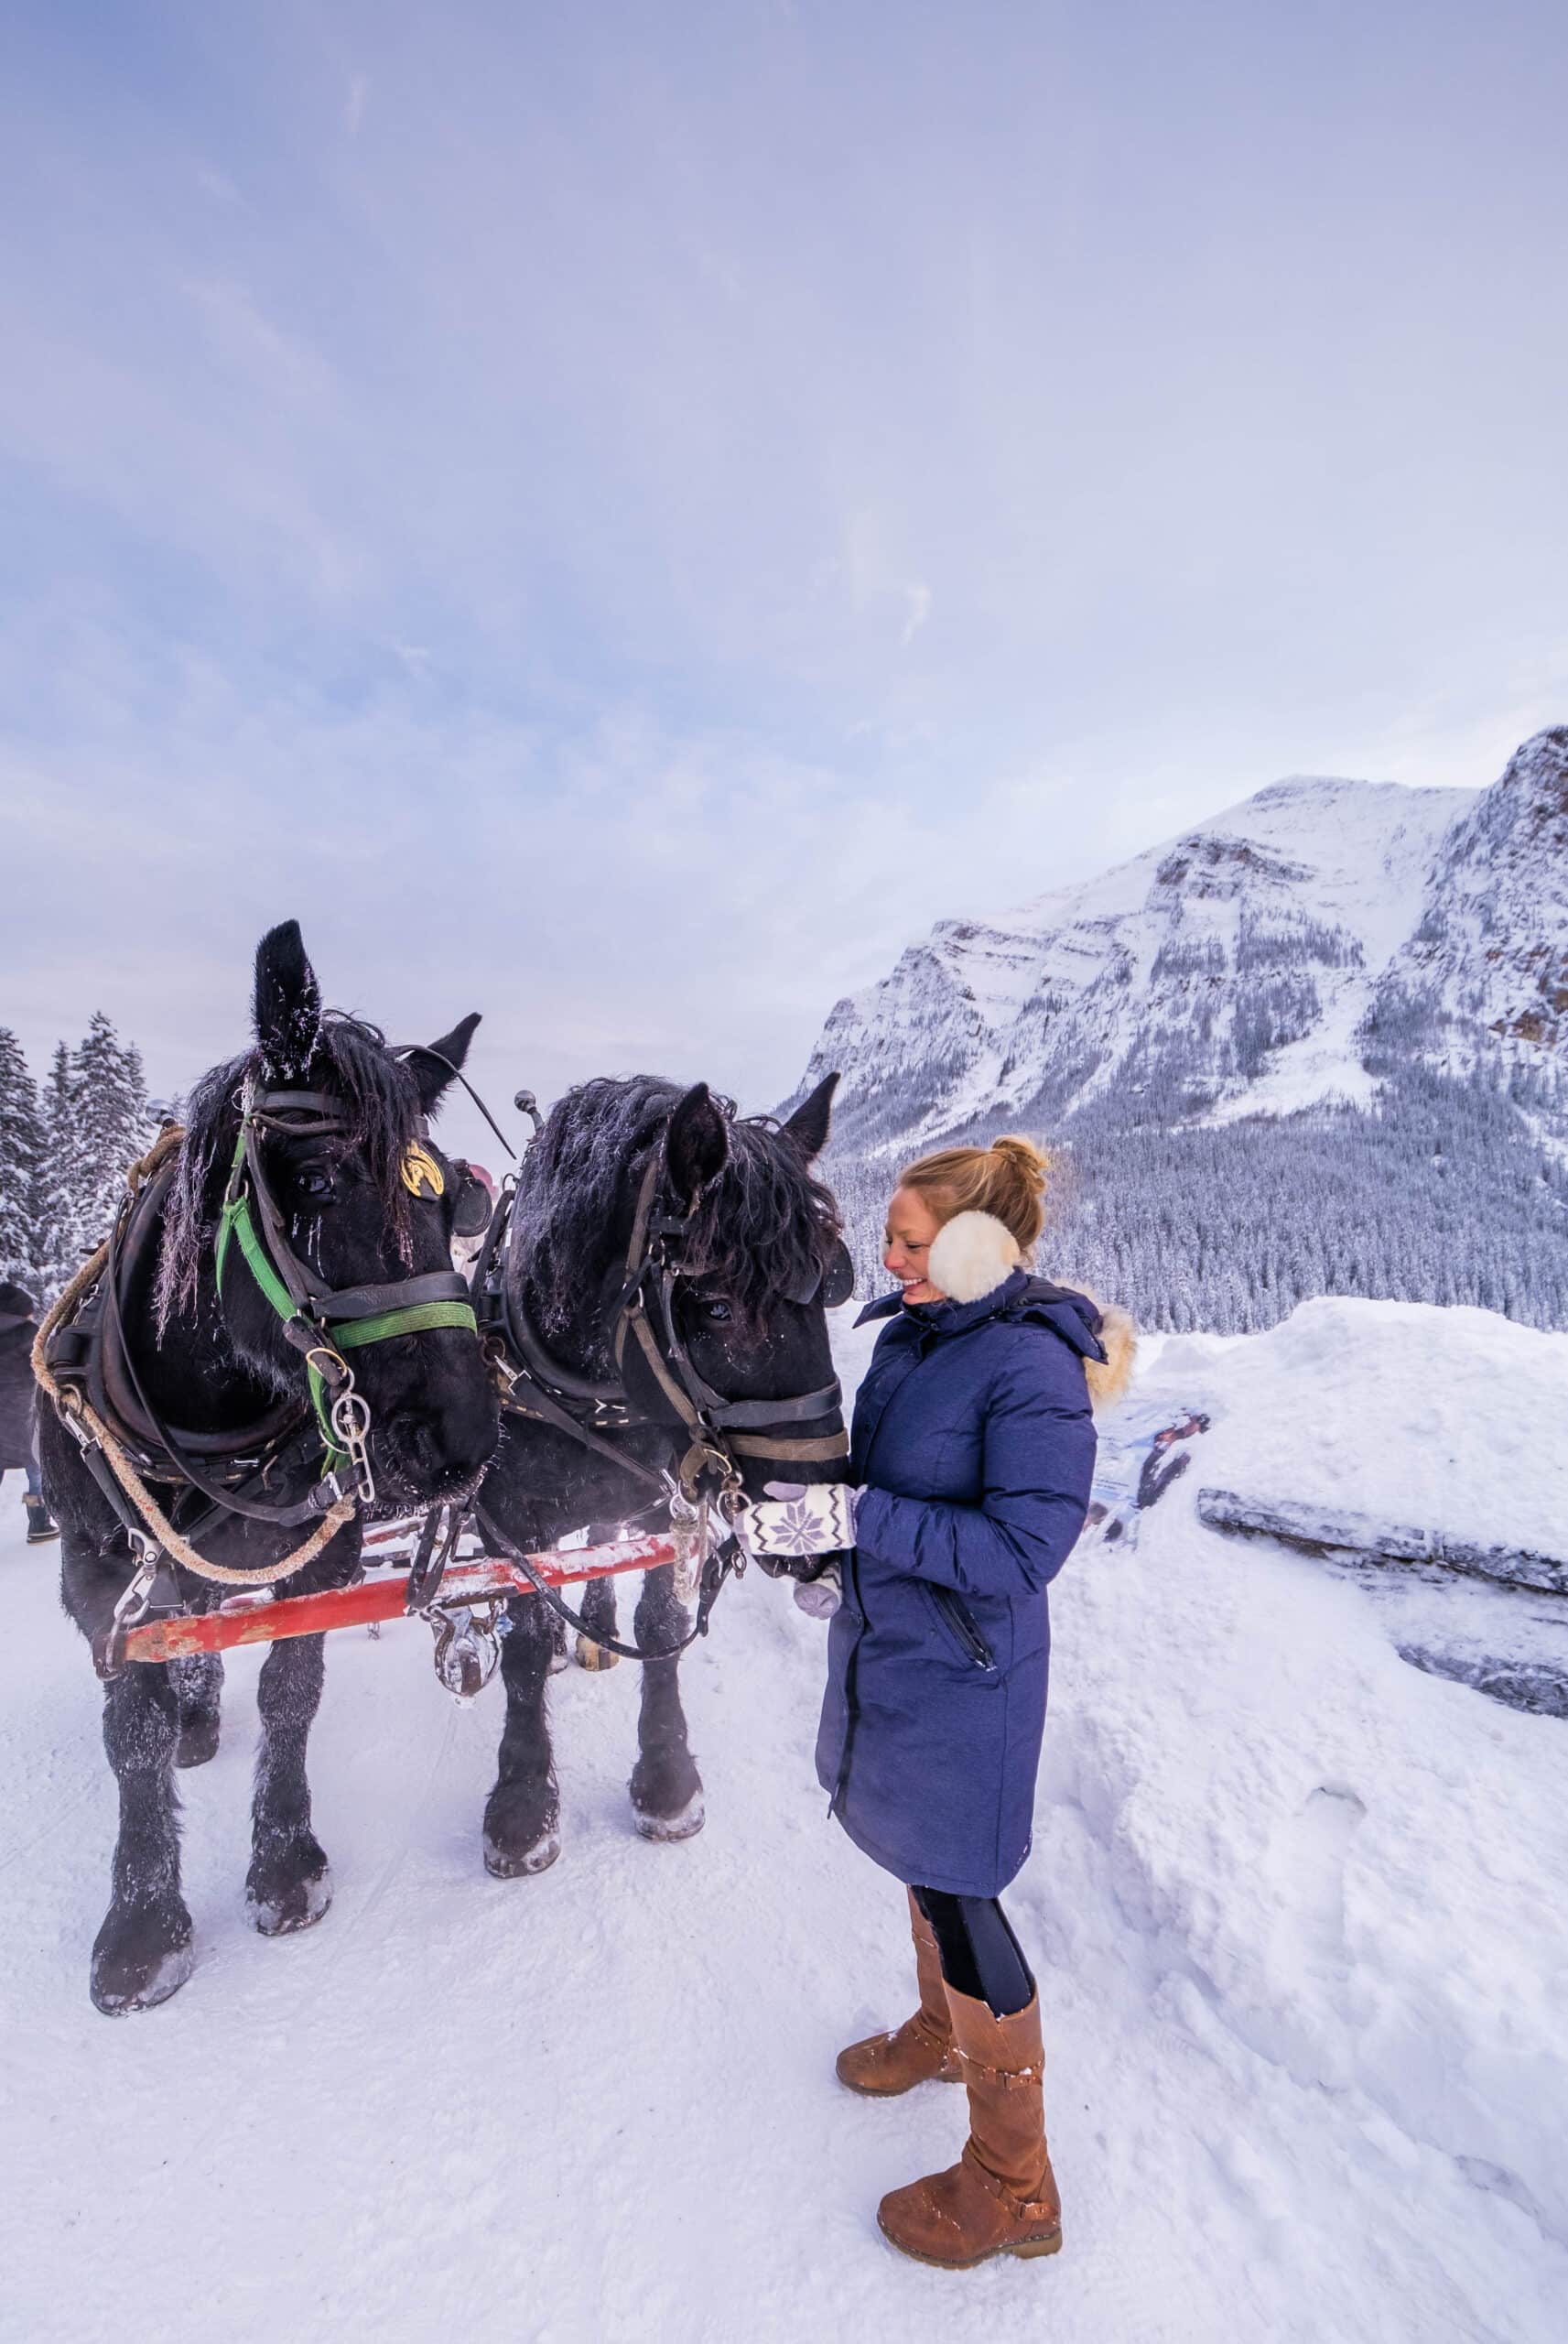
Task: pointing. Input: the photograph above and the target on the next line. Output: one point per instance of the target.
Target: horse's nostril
(438, 1450)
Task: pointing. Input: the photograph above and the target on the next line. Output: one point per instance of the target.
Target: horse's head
(313, 1209)
(755, 1258)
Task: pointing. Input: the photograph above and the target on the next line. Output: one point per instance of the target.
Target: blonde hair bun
(1023, 1157)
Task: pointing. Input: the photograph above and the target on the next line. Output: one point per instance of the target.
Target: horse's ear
(697, 1144)
(433, 1068)
(808, 1127)
(287, 1006)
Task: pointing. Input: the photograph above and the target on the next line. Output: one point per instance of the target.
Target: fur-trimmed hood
(974, 1255)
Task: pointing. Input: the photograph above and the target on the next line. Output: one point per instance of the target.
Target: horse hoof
(299, 1906)
(683, 1825)
(510, 1863)
(198, 1742)
(559, 1660)
(121, 1984)
(591, 1655)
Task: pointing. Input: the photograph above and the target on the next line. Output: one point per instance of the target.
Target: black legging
(981, 1956)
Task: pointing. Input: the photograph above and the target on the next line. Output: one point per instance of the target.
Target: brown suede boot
(921, 2050)
(1000, 2198)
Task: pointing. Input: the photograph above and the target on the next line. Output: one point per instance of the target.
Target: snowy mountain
(1328, 947)
(1229, 969)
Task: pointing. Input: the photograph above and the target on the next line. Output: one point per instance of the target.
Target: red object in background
(265, 1619)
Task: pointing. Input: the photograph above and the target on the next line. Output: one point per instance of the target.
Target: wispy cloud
(656, 500)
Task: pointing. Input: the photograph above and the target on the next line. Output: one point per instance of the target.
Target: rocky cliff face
(1488, 958)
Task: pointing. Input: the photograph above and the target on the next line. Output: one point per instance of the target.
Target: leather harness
(232, 1469)
(587, 1409)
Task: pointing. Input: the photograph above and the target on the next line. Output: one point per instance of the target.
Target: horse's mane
(760, 1228)
(350, 1059)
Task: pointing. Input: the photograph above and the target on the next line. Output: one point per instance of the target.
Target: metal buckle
(350, 1418)
(130, 1608)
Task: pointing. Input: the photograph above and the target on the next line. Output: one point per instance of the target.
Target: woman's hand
(796, 1525)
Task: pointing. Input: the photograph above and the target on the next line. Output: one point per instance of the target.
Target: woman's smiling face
(911, 1227)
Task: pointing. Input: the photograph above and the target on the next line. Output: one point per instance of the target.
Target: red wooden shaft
(246, 1622)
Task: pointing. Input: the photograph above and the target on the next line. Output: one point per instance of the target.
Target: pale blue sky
(620, 516)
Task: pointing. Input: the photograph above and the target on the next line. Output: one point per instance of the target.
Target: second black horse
(660, 1245)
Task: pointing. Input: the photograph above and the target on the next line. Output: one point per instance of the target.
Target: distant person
(975, 1449)
(17, 1438)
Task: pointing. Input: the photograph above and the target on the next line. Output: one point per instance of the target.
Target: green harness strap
(414, 1320)
(235, 1220)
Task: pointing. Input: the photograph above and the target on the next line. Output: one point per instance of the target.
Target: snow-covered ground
(1297, 1910)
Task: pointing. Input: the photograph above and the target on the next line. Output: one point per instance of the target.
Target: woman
(973, 1447)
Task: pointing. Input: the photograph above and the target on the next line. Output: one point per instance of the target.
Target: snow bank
(1346, 1877)
(1295, 1909)
(1449, 1418)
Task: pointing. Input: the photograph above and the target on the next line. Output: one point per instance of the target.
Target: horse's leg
(522, 1815)
(288, 1885)
(597, 1609)
(142, 1953)
(667, 1789)
(198, 1685)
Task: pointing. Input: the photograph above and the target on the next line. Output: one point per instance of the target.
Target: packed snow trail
(1295, 1908)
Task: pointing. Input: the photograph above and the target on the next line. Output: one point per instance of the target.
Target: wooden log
(1537, 1686)
(264, 1620)
(1320, 1530)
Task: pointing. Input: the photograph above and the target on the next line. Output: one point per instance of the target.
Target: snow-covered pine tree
(21, 1145)
(111, 1110)
(59, 1240)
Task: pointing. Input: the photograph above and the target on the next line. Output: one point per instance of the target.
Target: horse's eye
(715, 1311)
(313, 1182)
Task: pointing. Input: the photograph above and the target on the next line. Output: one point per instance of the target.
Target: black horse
(306, 1209)
(639, 1201)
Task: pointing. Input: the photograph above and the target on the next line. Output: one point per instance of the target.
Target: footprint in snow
(1311, 1853)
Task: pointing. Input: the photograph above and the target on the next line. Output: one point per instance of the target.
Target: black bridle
(320, 1321)
(587, 1409)
(235, 1471)
(719, 1429)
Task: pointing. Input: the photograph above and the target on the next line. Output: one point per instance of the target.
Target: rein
(719, 1429)
(532, 1383)
(148, 1531)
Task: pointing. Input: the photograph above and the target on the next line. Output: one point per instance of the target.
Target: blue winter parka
(974, 1444)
